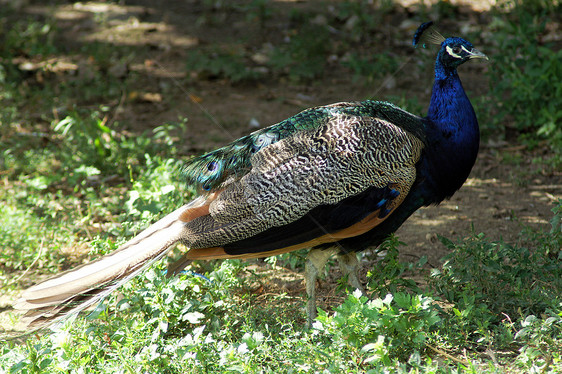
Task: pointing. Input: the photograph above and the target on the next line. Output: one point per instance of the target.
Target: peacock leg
(349, 266)
(315, 262)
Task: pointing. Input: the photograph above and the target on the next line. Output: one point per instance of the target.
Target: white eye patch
(453, 54)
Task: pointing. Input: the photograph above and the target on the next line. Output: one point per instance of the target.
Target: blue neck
(453, 132)
(450, 108)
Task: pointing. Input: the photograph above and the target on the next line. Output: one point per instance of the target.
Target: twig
(445, 354)
(29, 267)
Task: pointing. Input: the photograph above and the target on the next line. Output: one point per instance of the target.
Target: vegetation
(527, 75)
(75, 178)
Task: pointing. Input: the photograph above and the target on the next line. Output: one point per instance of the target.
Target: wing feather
(324, 166)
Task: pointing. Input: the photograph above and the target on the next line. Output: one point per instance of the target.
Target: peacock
(336, 179)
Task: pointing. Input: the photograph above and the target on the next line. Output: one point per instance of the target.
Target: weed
(259, 10)
(493, 283)
(362, 17)
(388, 274)
(304, 56)
(381, 330)
(217, 63)
(541, 340)
(526, 75)
(28, 38)
(370, 67)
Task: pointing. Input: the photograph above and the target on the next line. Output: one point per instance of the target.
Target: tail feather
(78, 288)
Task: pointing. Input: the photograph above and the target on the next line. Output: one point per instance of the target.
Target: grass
(526, 74)
(192, 324)
(75, 179)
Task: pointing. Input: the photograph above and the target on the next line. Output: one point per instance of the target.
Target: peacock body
(338, 179)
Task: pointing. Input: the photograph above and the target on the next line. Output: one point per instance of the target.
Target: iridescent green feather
(210, 170)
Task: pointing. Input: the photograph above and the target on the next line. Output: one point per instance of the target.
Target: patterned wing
(318, 170)
(210, 171)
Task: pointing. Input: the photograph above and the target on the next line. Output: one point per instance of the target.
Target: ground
(498, 198)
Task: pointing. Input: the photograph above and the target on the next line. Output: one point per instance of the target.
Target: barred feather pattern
(343, 157)
(210, 171)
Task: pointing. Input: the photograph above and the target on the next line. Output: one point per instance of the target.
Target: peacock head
(454, 51)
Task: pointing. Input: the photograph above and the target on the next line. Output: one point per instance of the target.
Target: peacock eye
(456, 50)
(212, 166)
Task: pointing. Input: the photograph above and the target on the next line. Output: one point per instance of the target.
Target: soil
(498, 198)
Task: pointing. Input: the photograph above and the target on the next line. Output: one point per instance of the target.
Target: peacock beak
(477, 54)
